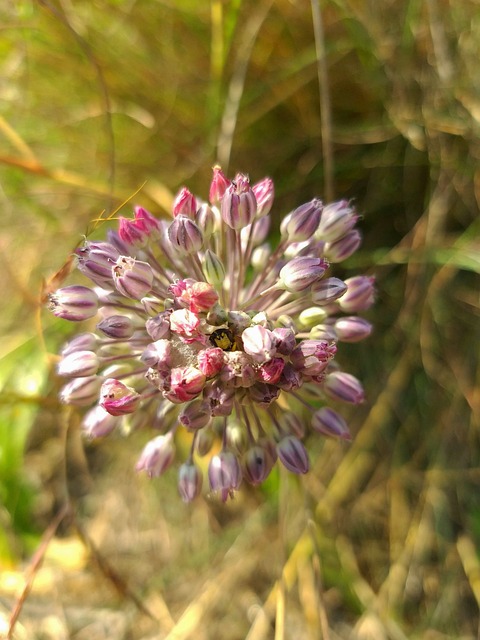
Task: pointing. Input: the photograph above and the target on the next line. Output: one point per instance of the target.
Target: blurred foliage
(100, 99)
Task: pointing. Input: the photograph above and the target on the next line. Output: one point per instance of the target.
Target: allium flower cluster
(203, 325)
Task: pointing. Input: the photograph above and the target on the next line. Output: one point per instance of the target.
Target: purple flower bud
(264, 194)
(78, 364)
(220, 398)
(190, 480)
(195, 415)
(255, 232)
(157, 456)
(185, 204)
(344, 247)
(238, 207)
(132, 278)
(130, 233)
(293, 455)
(74, 303)
(159, 326)
(290, 379)
(185, 235)
(360, 294)
(328, 290)
(330, 423)
(311, 357)
(95, 260)
(224, 473)
(204, 440)
(158, 354)
(82, 342)
(81, 391)
(263, 394)
(117, 327)
(98, 423)
(117, 398)
(352, 329)
(259, 343)
(218, 185)
(285, 341)
(292, 424)
(301, 273)
(257, 464)
(344, 386)
(302, 223)
(337, 220)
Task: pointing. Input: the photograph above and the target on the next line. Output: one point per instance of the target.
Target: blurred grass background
(99, 99)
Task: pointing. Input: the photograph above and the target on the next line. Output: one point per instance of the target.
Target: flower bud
(95, 260)
(185, 204)
(271, 371)
(135, 233)
(328, 290)
(300, 273)
(290, 379)
(195, 415)
(206, 219)
(352, 329)
(158, 354)
(185, 323)
(263, 394)
(210, 361)
(259, 343)
(260, 256)
(98, 423)
(311, 357)
(185, 384)
(198, 297)
(360, 294)
(238, 206)
(159, 326)
(330, 423)
(344, 247)
(292, 425)
(293, 454)
(257, 464)
(337, 219)
(323, 332)
(264, 194)
(285, 341)
(204, 440)
(312, 316)
(117, 398)
(302, 223)
(74, 303)
(190, 480)
(132, 278)
(78, 364)
(82, 342)
(224, 473)
(185, 235)
(117, 327)
(255, 233)
(218, 185)
(157, 456)
(220, 398)
(81, 391)
(344, 386)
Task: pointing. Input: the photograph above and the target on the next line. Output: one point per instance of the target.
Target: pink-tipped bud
(132, 278)
(330, 423)
(78, 364)
(344, 386)
(98, 423)
(74, 303)
(157, 456)
(117, 398)
(300, 273)
(95, 260)
(344, 247)
(117, 327)
(185, 204)
(224, 473)
(190, 481)
(302, 223)
(238, 207)
(195, 415)
(210, 361)
(337, 220)
(185, 323)
(81, 392)
(185, 384)
(271, 371)
(264, 194)
(185, 235)
(360, 294)
(293, 454)
(352, 329)
(199, 297)
(218, 185)
(327, 290)
(259, 343)
(311, 357)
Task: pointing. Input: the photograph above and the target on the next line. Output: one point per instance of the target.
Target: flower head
(206, 327)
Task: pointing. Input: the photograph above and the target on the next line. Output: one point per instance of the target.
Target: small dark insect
(224, 339)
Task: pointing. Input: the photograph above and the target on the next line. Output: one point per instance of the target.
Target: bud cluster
(203, 325)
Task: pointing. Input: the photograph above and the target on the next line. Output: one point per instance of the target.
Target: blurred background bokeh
(106, 100)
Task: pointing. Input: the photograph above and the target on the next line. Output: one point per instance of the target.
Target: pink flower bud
(327, 290)
(264, 194)
(330, 423)
(185, 235)
(259, 343)
(98, 423)
(158, 354)
(132, 278)
(117, 398)
(218, 186)
(81, 392)
(337, 219)
(302, 223)
(195, 415)
(293, 454)
(185, 204)
(95, 260)
(185, 323)
(344, 386)
(344, 247)
(311, 357)
(271, 371)
(360, 294)
(352, 329)
(199, 297)
(190, 480)
(300, 273)
(78, 364)
(185, 384)
(117, 327)
(74, 303)
(157, 456)
(224, 473)
(238, 207)
(210, 361)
